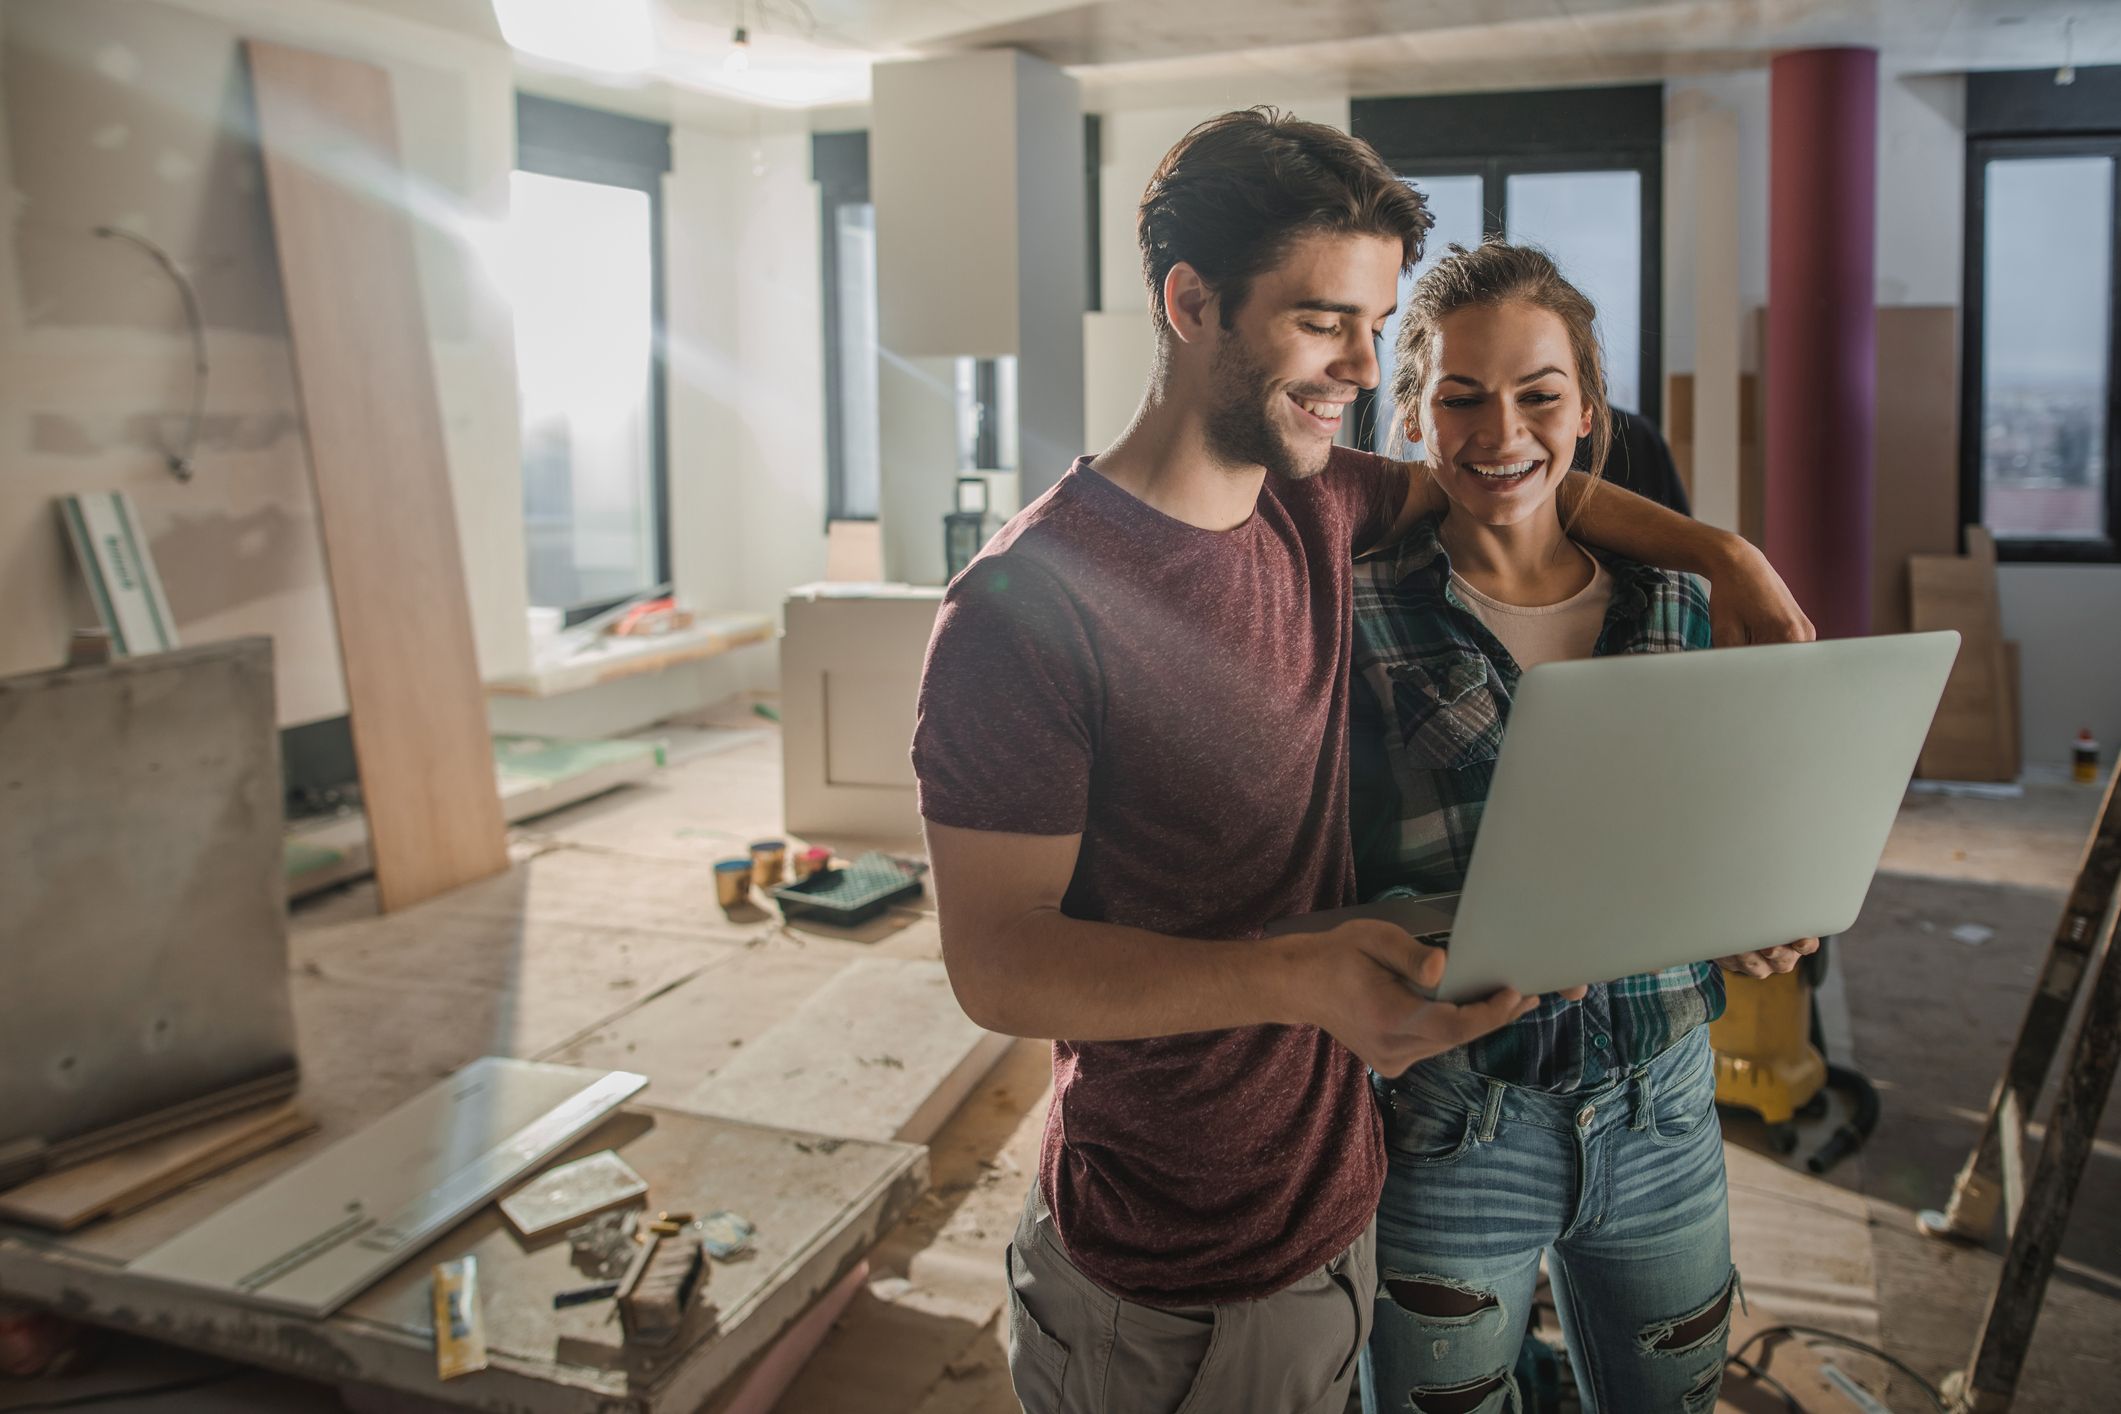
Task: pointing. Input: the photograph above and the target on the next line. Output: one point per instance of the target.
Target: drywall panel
(365, 374)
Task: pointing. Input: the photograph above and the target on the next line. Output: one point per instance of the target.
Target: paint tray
(854, 894)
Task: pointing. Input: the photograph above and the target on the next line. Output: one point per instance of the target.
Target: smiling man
(1132, 753)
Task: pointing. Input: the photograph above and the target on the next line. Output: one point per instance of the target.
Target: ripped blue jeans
(1622, 1188)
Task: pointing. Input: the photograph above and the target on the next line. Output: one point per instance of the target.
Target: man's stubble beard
(1240, 431)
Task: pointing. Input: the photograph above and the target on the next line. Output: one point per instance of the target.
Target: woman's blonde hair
(1493, 273)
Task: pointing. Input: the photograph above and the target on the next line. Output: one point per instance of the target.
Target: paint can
(769, 861)
(732, 882)
(2084, 758)
(810, 861)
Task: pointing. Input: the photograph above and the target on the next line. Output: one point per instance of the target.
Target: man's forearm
(1631, 525)
(1047, 976)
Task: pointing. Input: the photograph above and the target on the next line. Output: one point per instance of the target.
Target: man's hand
(1749, 603)
(1768, 961)
(1359, 982)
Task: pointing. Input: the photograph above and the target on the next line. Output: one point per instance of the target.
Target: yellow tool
(1765, 1059)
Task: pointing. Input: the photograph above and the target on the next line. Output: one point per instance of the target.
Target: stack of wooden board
(1975, 736)
(130, 1179)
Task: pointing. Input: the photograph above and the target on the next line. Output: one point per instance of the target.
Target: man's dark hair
(1239, 189)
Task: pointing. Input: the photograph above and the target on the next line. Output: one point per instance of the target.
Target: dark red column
(1822, 331)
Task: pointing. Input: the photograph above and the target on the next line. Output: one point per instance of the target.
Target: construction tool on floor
(2036, 1205)
(1771, 1059)
(660, 1285)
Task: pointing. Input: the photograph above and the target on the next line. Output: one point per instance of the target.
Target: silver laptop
(1656, 809)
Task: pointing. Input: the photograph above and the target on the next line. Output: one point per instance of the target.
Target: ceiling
(808, 53)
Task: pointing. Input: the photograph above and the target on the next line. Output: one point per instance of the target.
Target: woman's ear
(1583, 427)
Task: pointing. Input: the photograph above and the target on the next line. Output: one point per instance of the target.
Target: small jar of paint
(769, 862)
(732, 882)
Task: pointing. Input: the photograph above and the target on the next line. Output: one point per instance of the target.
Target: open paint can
(769, 863)
(732, 882)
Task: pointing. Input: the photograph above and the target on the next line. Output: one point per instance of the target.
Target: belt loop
(1645, 1100)
(1491, 1111)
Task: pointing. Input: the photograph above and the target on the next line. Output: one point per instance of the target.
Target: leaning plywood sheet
(339, 204)
(327, 1229)
(143, 938)
(882, 1051)
(817, 1208)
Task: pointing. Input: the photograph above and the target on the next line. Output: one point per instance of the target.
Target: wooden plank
(882, 1051)
(1915, 508)
(613, 659)
(365, 376)
(132, 1178)
(1975, 734)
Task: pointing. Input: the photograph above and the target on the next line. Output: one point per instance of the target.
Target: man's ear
(1188, 303)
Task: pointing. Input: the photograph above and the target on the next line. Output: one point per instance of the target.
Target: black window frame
(1496, 136)
(556, 139)
(2019, 114)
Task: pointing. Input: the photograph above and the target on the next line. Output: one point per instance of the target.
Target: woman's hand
(1766, 962)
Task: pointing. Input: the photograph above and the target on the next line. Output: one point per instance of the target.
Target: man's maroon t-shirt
(1179, 698)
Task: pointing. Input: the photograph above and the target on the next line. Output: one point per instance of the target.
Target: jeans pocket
(1421, 1131)
(1684, 1105)
(1038, 1362)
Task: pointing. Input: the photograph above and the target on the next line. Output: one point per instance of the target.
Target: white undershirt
(1549, 632)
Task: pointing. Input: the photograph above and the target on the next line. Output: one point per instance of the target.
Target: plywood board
(882, 1051)
(365, 376)
(119, 1183)
(1915, 496)
(1975, 735)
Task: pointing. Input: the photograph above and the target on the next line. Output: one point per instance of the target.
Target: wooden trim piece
(364, 371)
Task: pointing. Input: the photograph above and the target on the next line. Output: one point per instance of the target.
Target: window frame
(2023, 114)
(1496, 136)
(566, 140)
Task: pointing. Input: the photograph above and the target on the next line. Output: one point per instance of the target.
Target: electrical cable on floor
(88, 1401)
(1929, 1390)
(1759, 1376)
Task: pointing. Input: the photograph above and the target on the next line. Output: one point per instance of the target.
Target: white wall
(2067, 621)
(130, 102)
(1119, 340)
(131, 114)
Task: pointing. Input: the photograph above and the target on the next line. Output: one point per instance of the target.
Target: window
(840, 164)
(585, 237)
(1576, 171)
(2038, 435)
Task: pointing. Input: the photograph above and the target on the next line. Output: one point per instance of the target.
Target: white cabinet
(850, 670)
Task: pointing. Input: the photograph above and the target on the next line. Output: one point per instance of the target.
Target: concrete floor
(925, 1336)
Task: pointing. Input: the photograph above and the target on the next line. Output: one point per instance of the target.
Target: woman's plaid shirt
(1433, 694)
